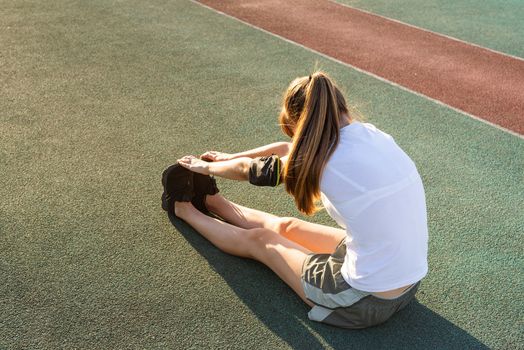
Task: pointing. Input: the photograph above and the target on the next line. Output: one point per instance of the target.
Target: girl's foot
(203, 187)
(178, 186)
(182, 185)
(182, 209)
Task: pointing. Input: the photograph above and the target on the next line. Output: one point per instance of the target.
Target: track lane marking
(428, 30)
(511, 132)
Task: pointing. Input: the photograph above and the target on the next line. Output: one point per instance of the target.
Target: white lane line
(429, 31)
(365, 72)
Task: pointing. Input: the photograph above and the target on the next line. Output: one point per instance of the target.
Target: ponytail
(315, 135)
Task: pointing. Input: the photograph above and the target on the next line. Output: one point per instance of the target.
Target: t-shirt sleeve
(265, 171)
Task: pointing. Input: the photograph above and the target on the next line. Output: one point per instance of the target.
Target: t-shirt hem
(392, 286)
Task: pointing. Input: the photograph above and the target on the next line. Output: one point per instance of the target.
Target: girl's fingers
(209, 155)
(185, 165)
(184, 160)
(187, 161)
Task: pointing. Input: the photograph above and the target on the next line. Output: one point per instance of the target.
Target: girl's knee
(286, 225)
(257, 235)
(258, 239)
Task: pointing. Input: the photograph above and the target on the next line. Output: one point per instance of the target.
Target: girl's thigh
(314, 237)
(283, 256)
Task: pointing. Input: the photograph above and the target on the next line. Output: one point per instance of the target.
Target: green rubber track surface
(98, 97)
(494, 24)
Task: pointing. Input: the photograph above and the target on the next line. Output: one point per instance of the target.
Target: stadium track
(482, 83)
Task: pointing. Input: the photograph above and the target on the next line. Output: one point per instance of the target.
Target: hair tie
(310, 78)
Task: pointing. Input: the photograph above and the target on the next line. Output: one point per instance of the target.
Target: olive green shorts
(339, 304)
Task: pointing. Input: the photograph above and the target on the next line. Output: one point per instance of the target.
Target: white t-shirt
(371, 188)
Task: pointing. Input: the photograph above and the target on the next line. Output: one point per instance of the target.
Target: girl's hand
(194, 164)
(214, 156)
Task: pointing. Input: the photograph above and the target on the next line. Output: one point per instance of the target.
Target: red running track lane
(478, 81)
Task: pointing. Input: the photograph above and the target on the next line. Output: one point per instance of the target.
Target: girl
(355, 276)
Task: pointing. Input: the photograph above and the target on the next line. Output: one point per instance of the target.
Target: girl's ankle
(210, 201)
(181, 208)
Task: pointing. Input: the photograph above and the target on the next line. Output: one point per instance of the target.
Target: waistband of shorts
(414, 285)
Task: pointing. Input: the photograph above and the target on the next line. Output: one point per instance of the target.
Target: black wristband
(265, 171)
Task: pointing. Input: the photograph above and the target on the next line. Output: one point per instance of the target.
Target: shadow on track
(277, 306)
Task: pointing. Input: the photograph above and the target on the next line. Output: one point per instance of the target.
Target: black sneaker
(203, 185)
(178, 186)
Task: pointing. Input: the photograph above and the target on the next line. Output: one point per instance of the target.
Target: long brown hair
(311, 111)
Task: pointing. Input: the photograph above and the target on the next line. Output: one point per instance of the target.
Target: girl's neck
(345, 120)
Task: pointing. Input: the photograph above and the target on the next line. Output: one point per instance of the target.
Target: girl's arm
(281, 149)
(234, 169)
(265, 171)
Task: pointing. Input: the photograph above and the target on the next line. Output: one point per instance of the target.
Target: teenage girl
(354, 276)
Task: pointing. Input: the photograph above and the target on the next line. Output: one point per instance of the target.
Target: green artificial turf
(494, 24)
(98, 97)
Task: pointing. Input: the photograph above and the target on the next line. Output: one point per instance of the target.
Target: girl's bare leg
(242, 216)
(281, 255)
(314, 237)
